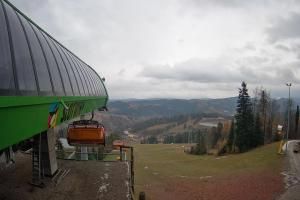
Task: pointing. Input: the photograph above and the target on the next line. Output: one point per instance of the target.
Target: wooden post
(132, 168)
(142, 196)
(121, 153)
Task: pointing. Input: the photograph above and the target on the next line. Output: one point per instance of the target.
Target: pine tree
(201, 146)
(258, 134)
(244, 120)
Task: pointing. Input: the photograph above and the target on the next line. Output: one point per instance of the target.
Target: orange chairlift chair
(86, 132)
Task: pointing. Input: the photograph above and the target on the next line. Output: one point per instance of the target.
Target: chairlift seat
(86, 132)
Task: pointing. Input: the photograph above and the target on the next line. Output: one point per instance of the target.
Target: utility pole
(289, 110)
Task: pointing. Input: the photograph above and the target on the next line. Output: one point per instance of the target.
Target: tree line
(256, 121)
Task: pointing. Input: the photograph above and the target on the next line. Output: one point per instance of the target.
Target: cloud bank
(179, 49)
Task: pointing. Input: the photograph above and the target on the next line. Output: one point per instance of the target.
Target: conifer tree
(201, 146)
(244, 121)
(258, 134)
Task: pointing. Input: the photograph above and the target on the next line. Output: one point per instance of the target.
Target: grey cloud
(122, 72)
(118, 37)
(285, 28)
(229, 3)
(192, 70)
(215, 72)
(250, 47)
(287, 75)
(255, 60)
(272, 74)
(282, 47)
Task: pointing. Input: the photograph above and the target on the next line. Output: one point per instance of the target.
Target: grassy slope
(189, 123)
(169, 161)
(176, 129)
(158, 127)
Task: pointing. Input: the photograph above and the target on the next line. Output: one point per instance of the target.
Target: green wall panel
(22, 117)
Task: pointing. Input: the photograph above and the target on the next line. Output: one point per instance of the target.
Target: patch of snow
(105, 176)
(103, 188)
(290, 179)
(205, 177)
(288, 144)
(221, 157)
(65, 144)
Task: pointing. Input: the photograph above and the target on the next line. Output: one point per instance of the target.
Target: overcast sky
(179, 48)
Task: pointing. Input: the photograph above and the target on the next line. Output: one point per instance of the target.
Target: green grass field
(157, 163)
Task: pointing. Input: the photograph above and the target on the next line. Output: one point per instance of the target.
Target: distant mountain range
(151, 108)
(142, 113)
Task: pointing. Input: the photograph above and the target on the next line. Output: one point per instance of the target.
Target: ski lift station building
(42, 83)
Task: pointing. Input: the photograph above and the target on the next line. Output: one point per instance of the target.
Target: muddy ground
(84, 180)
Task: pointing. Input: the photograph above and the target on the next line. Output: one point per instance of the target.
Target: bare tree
(263, 110)
(297, 122)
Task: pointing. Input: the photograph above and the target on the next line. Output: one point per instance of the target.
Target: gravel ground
(84, 180)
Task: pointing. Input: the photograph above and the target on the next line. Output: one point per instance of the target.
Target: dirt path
(85, 180)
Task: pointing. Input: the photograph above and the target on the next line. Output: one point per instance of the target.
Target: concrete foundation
(48, 154)
(84, 153)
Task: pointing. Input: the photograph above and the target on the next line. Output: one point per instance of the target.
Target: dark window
(39, 60)
(77, 73)
(6, 73)
(69, 68)
(57, 84)
(86, 78)
(62, 68)
(24, 68)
